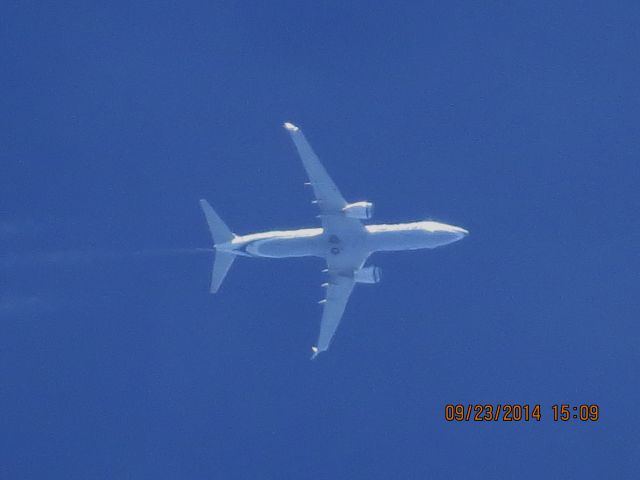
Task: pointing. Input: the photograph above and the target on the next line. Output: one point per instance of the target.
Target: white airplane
(343, 241)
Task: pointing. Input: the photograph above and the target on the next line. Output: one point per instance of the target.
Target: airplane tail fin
(221, 234)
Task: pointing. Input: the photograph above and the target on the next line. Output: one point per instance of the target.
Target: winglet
(315, 351)
(291, 127)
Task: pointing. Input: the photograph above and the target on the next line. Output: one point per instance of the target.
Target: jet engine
(361, 210)
(368, 275)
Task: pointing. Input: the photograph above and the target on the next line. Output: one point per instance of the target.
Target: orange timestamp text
(516, 412)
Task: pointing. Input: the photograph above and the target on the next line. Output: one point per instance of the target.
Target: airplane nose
(460, 232)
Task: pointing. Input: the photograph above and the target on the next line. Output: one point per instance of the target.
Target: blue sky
(515, 120)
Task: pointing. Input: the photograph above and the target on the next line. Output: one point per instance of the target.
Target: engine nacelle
(361, 210)
(368, 275)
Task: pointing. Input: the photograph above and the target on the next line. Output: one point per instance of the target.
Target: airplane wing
(339, 287)
(343, 258)
(328, 198)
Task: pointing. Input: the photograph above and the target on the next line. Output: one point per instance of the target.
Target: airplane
(343, 241)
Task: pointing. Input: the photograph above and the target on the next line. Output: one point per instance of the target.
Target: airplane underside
(343, 241)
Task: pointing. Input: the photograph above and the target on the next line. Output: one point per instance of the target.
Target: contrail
(83, 257)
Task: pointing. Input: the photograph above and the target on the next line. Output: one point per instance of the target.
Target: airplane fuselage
(313, 242)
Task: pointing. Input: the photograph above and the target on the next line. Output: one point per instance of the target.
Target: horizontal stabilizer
(221, 234)
(219, 230)
(221, 266)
